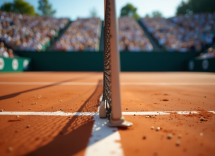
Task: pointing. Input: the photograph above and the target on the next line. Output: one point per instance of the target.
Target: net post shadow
(4, 97)
(74, 136)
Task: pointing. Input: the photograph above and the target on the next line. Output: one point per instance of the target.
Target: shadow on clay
(51, 85)
(74, 137)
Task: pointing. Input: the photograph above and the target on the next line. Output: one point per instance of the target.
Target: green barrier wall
(14, 64)
(199, 64)
(155, 61)
(93, 61)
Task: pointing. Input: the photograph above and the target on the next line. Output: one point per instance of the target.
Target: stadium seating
(32, 33)
(182, 33)
(131, 36)
(82, 35)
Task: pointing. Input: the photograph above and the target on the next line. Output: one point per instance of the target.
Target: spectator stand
(154, 42)
(60, 34)
(182, 33)
(132, 37)
(197, 29)
(156, 27)
(31, 33)
(82, 35)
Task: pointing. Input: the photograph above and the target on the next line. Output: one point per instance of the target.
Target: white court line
(59, 113)
(103, 141)
(165, 83)
(94, 83)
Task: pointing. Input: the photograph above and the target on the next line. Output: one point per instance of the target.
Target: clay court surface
(61, 109)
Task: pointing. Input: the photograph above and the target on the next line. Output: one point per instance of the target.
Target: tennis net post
(111, 103)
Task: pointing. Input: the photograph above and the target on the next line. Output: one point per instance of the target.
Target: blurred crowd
(4, 52)
(210, 53)
(82, 35)
(32, 33)
(131, 36)
(183, 33)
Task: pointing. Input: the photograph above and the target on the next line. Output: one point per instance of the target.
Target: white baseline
(60, 113)
(94, 83)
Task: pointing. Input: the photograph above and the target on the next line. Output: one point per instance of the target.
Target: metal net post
(111, 86)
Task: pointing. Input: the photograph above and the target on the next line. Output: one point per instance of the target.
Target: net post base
(102, 110)
(119, 123)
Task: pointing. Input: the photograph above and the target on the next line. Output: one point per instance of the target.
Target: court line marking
(104, 140)
(60, 113)
(165, 83)
(93, 83)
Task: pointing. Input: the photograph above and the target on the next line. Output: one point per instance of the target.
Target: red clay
(157, 143)
(50, 98)
(47, 135)
(55, 135)
(168, 98)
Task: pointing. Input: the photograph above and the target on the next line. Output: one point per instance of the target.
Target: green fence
(202, 64)
(93, 61)
(14, 64)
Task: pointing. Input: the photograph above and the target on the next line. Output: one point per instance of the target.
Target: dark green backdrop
(93, 61)
(202, 64)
